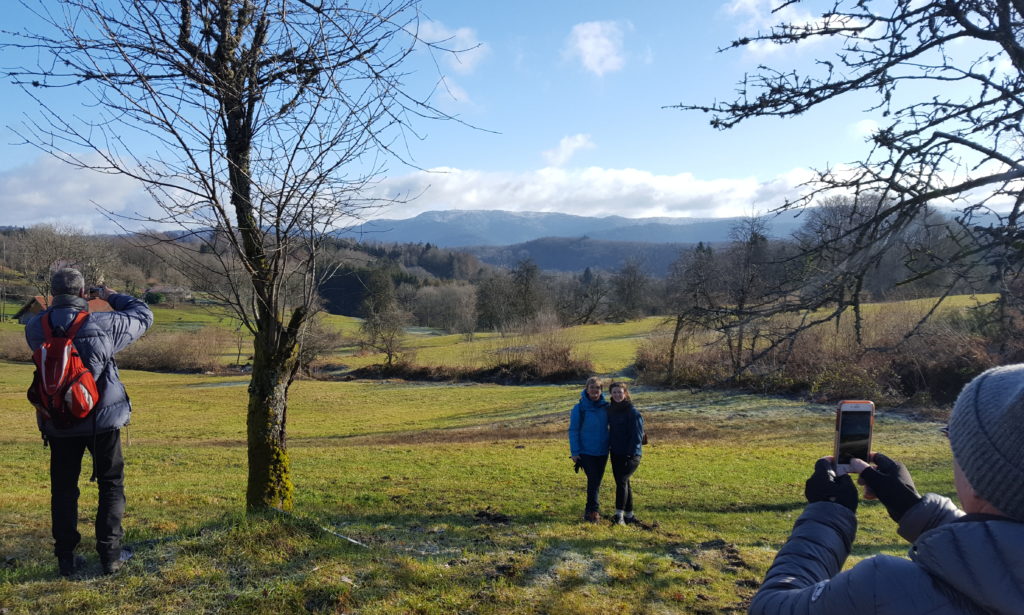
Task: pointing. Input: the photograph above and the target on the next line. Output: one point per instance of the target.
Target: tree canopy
(947, 77)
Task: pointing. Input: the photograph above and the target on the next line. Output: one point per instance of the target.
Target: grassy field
(610, 347)
(461, 497)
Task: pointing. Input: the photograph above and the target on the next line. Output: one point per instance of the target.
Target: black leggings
(593, 466)
(623, 467)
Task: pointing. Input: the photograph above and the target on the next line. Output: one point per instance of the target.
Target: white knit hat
(986, 432)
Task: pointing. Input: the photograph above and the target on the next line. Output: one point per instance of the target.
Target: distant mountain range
(576, 254)
(462, 228)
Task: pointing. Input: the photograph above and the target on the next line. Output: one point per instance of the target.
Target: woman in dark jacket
(625, 439)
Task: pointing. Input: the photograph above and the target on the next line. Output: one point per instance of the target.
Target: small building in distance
(38, 303)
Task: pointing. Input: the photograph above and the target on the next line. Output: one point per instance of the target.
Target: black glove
(891, 483)
(576, 467)
(825, 486)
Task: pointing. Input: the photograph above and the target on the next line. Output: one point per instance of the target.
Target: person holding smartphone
(588, 442)
(961, 561)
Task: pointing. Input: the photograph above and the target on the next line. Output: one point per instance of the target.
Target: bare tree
(736, 291)
(948, 76)
(628, 292)
(693, 296)
(255, 125)
(317, 340)
(448, 307)
(45, 248)
(384, 320)
(581, 299)
(494, 305)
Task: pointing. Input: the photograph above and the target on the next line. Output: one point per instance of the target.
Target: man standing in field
(962, 561)
(97, 340)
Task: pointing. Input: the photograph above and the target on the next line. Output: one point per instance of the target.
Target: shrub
(177, 351)
(154, 298)
(828, 363)
(13, 346)
(539, 351)
(701, 360)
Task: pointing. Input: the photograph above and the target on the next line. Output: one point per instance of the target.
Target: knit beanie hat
(986, 433)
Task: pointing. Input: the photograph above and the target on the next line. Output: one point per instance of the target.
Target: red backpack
(62, 384)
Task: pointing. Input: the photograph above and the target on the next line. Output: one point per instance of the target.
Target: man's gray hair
(67, 282)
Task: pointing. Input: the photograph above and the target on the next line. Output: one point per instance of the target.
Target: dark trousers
(65, 467)
(623, 467)
(593, 466)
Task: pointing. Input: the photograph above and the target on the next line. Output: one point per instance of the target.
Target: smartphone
(94, 291)
(854, 422)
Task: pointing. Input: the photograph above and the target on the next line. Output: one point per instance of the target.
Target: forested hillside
(573, 281)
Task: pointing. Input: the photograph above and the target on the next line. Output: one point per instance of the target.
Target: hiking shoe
(592, 517)
(618, 519)
(69, 563)
(112, 567)
(637, 522)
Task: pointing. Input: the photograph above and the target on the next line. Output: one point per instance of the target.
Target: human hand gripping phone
(854, 425)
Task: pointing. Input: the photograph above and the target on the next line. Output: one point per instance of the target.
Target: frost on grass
(561, 565)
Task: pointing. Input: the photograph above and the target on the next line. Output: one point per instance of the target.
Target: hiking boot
(618, 519)
(631, 520)
(111, 567)
(592, 517)
(69, 563)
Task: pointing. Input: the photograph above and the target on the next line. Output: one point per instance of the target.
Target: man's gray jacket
(102, 336)
(958, 564)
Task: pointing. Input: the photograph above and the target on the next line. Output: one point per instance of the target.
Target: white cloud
(48, 191)
(597, 45)
(759, 16)
(455, 92)
(567, 147)
(864, 128)
(588, 191)
(468, 50)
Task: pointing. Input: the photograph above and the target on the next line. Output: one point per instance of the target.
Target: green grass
(610, 347)
(405, 469)
(189, 317)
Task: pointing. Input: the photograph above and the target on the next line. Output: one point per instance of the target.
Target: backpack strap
(76, 324)
(72, 329)
(47, 327)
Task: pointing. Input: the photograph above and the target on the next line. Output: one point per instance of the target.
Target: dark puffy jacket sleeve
(797, 581)
(932, 511)
(804, 579)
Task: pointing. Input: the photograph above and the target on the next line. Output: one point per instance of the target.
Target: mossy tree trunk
(274, 365)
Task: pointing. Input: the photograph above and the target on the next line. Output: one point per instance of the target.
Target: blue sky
(570, 95)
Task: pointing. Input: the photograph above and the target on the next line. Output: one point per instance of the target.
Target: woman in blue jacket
(588, 442)
(626, 436)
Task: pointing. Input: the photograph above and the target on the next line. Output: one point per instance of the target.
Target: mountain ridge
(479, 228)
